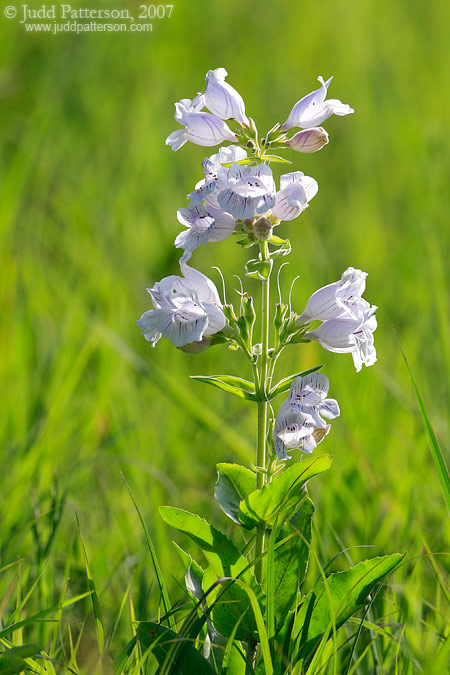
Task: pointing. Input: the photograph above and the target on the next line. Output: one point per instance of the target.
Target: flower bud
(262, 229)
(229, 312)
(247, 224)
(249, 310)
(308, 140)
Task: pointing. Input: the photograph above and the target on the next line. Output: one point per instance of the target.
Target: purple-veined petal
(222, 99)
(205, 129)
(308, 140)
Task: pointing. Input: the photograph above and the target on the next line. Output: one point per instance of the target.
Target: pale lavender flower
(299, 423)
(187, 309)
(201, 128)
(222, 99)
(345, 334)
(296, 190)
(203, 225)
(313, 109)
(250, 190)
(308, 140)
(342, 297)
(215, 179)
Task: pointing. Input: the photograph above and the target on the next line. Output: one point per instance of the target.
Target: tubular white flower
(222, 99)
(345, 334)
(201, 128)
(339, 298)
(204, 225)
(215, 179)
(299, 424)
(187, 309)
(293, 197)
(308, 140)
(313, 109)
(250, 190)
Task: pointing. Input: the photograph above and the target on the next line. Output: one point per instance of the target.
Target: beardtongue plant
(251, 613)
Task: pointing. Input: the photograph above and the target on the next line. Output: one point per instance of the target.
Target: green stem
(261, 454)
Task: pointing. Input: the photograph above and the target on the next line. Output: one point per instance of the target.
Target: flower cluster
(299, 423)
(238, 194)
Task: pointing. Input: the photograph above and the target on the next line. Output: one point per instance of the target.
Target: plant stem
(261, 455)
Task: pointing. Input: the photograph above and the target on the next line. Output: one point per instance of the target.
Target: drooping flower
(187, 309)
(250, 190)
(342, 297)
(313, 109)
(299, 423)
(296, 190)
(201, 128)
(308, 140)
(203, 225)
(222, 99)
(345, 334)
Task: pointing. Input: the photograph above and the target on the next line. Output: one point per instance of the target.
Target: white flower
(308, 140)
(293, 197)
(204, 224)
(313, 109)
(299, 422)
(222, 99)
(345, 334)
(250, 190)
(215, 175)
(187, 309)
(339, 298)
(201, 128)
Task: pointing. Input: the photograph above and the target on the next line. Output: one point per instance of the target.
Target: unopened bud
(229, 312)
(249, 310)
(262, 229)
(308, 140)
(248, 225)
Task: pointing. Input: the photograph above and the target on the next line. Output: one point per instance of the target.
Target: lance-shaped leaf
(285, 384)
(161, 639)
(225, 560)
(275, 158)
(291, 559)
(234, 483)
(233, 385)
(281, 496)
(258, 269)
(334, 601)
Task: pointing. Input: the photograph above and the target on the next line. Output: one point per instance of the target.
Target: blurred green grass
(88, 201)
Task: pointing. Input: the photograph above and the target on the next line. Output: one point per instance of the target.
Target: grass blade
(156, 565)
(436, 451)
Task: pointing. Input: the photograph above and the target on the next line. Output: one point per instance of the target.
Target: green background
(88, 202)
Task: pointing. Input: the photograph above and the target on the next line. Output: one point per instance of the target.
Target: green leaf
(258, 269)
(242, 162)
(160, 640)
(436, 452)
(234, 483)
(334, 601)
(284, 248)
(13, 661)
(285, 384)
(281, 496)
(225, 560)
(291, 560)
(276, 159)
(246, 243)
(233, 385)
